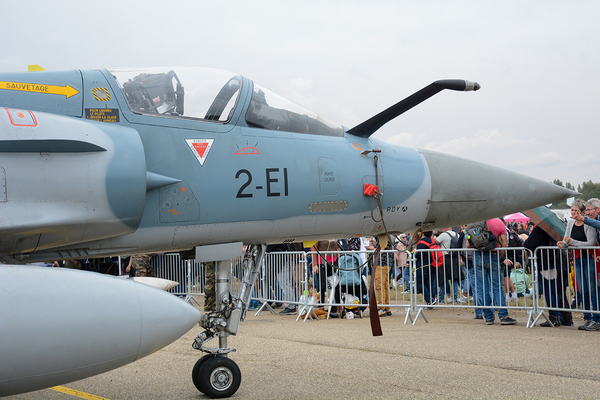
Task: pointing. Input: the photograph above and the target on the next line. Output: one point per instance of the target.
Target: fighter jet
(112, 162)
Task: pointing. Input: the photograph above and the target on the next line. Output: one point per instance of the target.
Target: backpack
(480, 237)
(456, 240)
(437, 257)
(514, 240)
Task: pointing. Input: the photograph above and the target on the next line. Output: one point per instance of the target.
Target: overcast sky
(538, 63)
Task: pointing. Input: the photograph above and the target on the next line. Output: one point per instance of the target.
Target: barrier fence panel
(190, 275)
(170, 266)
(568, 283)
(334, 279)
(331, 279)
(550, 283)
(468, 278)
(281, 277)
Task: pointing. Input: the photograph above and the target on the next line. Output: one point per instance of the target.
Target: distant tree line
(587, 189)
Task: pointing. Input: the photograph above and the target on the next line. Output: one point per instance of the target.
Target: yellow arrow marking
(77, 393)
(39, 88)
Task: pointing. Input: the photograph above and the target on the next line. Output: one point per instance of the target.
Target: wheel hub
(221, 378)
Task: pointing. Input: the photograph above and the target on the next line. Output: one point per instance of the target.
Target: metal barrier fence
(549, 283)
(568, 280)
(483, 281)
(190, 275)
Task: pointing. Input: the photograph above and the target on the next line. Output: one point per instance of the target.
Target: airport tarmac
(452, 356)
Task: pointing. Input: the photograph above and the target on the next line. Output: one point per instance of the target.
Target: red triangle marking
(200, 148)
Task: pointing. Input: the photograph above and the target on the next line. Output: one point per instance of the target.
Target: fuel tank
(60, 325)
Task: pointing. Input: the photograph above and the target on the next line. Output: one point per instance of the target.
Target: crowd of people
(449, 263)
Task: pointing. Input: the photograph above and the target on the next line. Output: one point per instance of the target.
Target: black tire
(196, 370)
(218, 377)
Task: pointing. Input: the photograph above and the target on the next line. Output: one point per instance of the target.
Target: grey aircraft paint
(105, 163)
(251, 185)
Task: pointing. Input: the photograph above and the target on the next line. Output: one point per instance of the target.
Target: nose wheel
(216, 376)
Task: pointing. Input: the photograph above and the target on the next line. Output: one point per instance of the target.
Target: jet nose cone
(164, 318)
(464, 191)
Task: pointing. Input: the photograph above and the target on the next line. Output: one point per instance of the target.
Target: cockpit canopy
(213, 95)
(200, 93)
(268, 110)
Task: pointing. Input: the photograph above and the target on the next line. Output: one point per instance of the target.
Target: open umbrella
(516, 217)
(548, 221)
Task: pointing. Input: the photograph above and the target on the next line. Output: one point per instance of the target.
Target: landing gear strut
(215, 374)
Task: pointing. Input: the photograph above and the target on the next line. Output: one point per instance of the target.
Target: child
(521, 281)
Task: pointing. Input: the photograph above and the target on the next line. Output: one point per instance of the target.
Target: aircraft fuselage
(94, 166)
